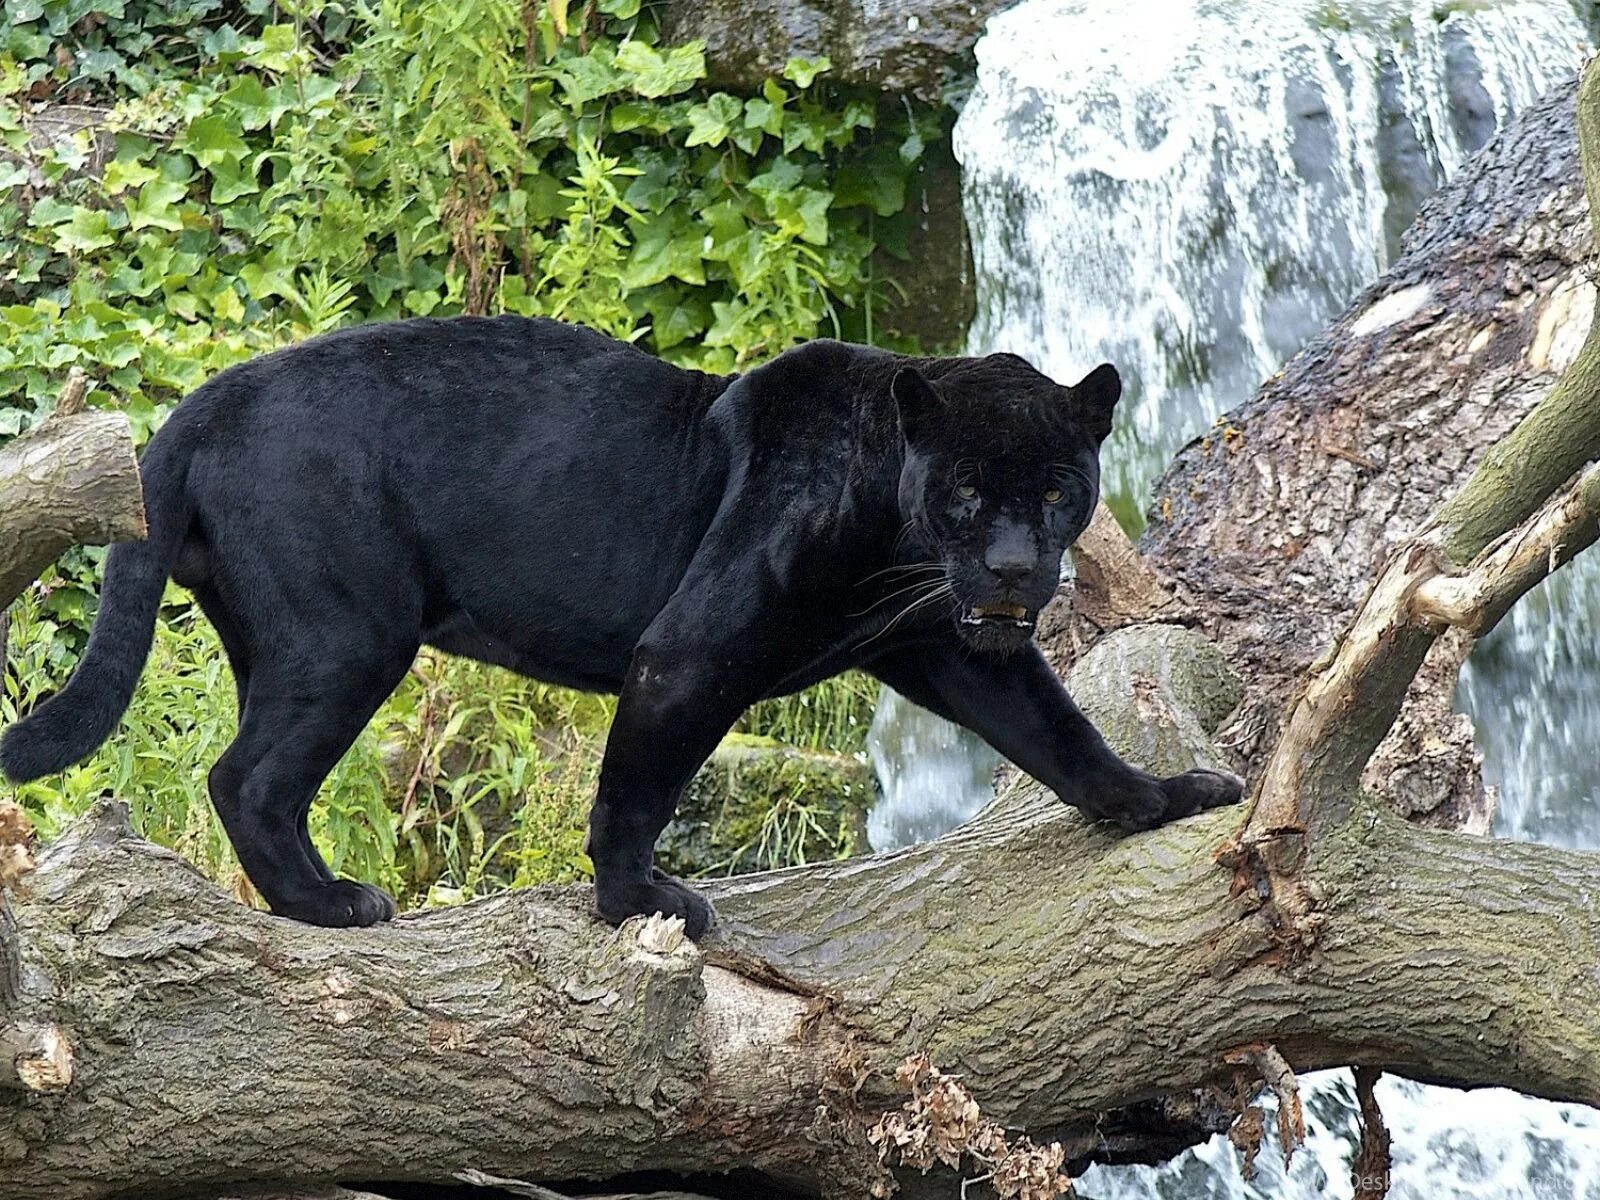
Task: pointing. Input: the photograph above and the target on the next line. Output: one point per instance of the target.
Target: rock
(912, 46)
(931, 293)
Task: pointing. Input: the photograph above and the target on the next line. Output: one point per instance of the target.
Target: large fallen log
(1062, 970)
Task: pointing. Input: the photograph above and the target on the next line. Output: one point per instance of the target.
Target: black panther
(536, 495)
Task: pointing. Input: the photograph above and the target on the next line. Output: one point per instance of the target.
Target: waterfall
(1191, 189)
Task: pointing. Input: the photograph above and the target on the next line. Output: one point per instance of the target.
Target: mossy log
(1063, 969)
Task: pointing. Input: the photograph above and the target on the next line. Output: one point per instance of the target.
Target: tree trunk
(1059, 968)
(71, 481)
(1273, 527)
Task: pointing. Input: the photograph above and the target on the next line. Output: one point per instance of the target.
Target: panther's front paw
(1134, 801)
(663, 894)
(1139, 801)
(1198, 790)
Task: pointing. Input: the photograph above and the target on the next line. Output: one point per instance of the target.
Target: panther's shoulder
(820, 377)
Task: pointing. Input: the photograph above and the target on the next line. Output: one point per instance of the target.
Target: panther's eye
(1053, 496)
(966, 491)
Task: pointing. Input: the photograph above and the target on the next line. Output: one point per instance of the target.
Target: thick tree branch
(71, 481)
(1476, 599)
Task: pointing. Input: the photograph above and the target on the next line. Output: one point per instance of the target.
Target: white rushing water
(1192, 189)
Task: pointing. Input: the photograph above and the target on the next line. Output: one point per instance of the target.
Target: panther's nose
(1010, 570)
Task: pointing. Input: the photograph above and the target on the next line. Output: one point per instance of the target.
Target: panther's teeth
(981, 613)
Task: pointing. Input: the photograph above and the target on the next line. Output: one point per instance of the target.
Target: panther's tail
(72, 723)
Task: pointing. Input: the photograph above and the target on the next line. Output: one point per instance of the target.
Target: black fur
(538, 496)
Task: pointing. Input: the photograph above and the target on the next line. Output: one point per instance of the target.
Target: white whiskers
(943, 589)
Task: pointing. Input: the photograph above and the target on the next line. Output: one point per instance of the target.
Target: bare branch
(70, 481)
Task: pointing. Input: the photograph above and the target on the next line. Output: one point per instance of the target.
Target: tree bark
(1060, 969)
(1272, 528)
(71, 481)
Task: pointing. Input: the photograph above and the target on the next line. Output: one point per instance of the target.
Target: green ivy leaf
(803, 71)
(124, 173)
(629, 115)
(213, 140)
(807, 128)
(278, 48)
(664, 246)
(14, 173)
(710, 123)
(803, 212)
(655, 74)
(229, 181)
(256, 108)
(88, 230)
(878, 181)
(655, 188)
(157, 205)
(49, 210)
(589, 76)
(263, 281)
(676, 315)
(763, 114)
(782, 176)
(384, 280)
(226, 305)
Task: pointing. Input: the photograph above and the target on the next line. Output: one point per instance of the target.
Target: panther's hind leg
(294, 730)
(237, 648)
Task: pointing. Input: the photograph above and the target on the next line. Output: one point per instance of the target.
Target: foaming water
(934, 775)
(1488, 1144)
(1192, 189)
(1532, 688)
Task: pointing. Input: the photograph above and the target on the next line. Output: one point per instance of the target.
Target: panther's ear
(1095, 397)
(916, 402)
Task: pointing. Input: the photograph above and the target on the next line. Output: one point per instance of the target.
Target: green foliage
(468, 779)
(267, 172)
(833, 715)
(260, 180)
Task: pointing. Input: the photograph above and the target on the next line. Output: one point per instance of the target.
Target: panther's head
(1001, 474)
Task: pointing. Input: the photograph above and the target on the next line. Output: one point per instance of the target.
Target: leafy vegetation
(248, 174)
